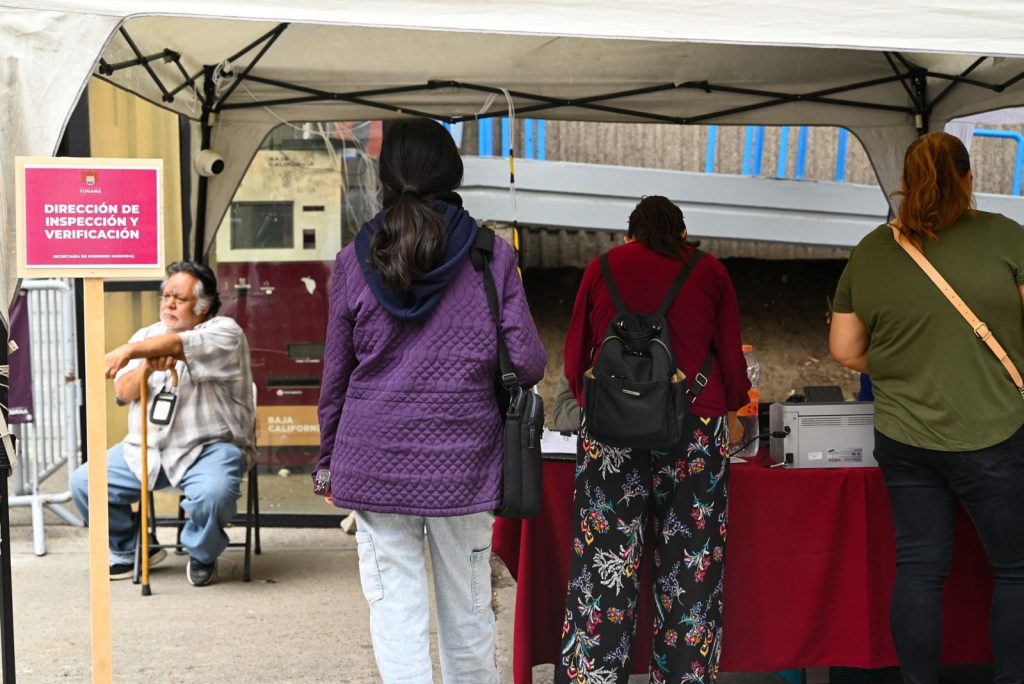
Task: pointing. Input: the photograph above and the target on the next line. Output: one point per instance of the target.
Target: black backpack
(634, 395)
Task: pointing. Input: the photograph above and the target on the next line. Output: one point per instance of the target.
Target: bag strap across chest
(980, 328)
(670, 296)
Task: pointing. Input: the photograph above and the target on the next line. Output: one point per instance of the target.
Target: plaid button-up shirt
(214, 404)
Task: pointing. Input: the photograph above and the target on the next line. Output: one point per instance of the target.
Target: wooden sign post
(95, 219)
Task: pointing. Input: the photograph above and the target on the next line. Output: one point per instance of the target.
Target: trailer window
(262, 225)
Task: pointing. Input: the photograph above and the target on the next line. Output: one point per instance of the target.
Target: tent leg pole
(5, 575)
(206, 129)
(6, 594)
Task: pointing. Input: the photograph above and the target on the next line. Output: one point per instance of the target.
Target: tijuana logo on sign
(90, 178)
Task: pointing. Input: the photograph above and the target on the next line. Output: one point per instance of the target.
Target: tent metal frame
(912, 77)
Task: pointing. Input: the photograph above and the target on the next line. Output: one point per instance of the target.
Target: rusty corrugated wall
(683, 148)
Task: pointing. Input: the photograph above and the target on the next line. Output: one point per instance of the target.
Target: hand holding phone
(322, 483)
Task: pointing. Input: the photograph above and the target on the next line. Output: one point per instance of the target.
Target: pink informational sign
(83, 216)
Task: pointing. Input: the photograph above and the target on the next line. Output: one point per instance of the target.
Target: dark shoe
(200, 574)
(120, 571)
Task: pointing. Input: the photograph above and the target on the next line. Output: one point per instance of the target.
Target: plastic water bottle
(748, 414)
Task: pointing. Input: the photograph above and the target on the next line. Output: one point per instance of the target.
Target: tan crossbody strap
(979, 327)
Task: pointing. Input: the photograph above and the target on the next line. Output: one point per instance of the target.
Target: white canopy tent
(885, 70)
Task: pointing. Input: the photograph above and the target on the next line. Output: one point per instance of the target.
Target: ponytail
(418, 163)
(410, 238)
(936, 186)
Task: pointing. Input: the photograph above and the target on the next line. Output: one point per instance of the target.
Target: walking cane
(144, 503)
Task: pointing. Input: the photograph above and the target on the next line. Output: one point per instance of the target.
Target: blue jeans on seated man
(924, 486)
(212, 487)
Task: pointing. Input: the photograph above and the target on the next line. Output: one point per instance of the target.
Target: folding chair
(251, 519)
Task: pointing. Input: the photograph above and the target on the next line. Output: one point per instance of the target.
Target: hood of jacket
(417, 303)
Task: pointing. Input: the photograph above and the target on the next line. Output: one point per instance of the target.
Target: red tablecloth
(810, 561)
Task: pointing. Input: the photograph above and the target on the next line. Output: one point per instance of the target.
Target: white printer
(823, 434)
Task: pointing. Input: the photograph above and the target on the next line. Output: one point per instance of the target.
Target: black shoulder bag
(524, 415)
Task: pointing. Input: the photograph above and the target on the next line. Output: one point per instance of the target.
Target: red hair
(936, 186)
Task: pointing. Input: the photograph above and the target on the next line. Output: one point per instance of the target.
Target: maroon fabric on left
(807, 579)
(19, 400)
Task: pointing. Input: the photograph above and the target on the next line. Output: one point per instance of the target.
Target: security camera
(208, 163)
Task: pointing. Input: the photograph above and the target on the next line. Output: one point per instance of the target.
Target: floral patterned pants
(685, 492)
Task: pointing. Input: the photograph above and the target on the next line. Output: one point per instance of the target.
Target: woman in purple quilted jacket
(409, 424)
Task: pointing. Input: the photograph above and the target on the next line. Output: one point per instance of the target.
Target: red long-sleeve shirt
(704, 313)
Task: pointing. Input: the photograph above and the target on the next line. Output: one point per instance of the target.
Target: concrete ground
(301, 619)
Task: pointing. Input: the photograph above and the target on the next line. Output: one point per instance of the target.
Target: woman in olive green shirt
(947, 416)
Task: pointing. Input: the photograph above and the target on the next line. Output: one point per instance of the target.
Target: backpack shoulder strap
(700, 380)
(673, 289)
(613, 289)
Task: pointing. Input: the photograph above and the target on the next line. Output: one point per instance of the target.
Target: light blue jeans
(392, 572)
(212, 487)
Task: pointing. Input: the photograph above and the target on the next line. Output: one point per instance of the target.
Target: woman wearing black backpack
(684, 486)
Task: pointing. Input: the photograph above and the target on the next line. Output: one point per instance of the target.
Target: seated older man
(203, 448)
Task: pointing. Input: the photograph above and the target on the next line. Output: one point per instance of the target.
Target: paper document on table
(555, 443)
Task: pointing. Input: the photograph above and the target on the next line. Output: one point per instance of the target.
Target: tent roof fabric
(734, 61)
(763, 61)
(993, 27)
(569, 50)
(712, 82)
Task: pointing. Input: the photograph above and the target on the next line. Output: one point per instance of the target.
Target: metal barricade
(51, 442)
